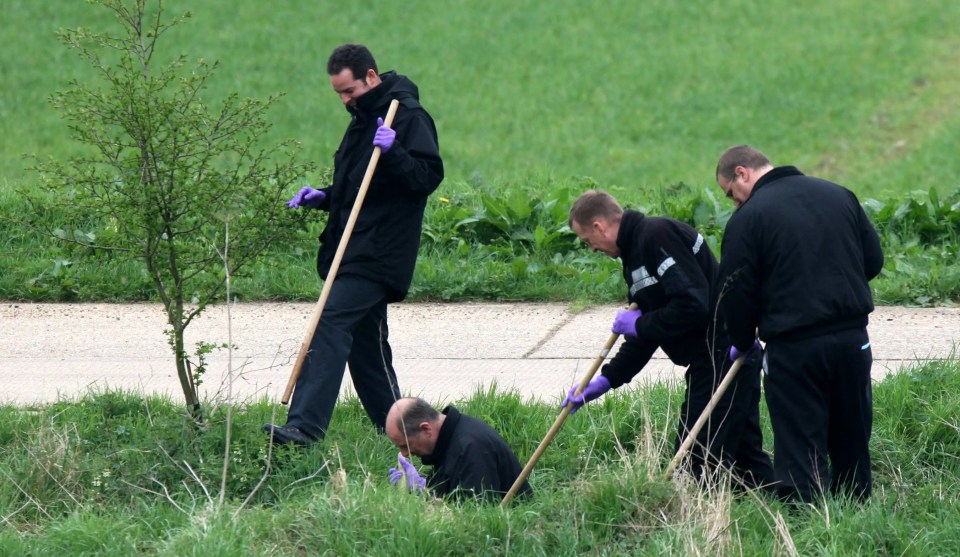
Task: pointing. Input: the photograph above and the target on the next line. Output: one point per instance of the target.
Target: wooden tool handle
(341, 248)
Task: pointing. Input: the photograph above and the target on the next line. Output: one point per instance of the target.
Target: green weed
(500, 244)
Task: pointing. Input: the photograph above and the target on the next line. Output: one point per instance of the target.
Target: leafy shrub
(516, 220)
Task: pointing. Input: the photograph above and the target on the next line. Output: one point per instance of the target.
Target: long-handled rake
(341, 248)
(558, 423)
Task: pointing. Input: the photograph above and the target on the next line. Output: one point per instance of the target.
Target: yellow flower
(444, 200)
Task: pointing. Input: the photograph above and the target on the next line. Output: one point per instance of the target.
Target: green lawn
(633, 95)
(534, 102)
(541, 100)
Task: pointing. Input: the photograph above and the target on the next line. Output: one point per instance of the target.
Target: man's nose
(345, 99)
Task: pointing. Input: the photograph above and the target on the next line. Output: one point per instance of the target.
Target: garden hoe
(341, 248)
(560, 419)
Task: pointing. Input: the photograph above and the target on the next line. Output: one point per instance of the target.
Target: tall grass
(115, 473)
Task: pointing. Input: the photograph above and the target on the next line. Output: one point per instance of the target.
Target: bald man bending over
(469, 458)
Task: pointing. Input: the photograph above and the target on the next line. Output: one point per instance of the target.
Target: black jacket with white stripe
(797, 257)
(670, 274)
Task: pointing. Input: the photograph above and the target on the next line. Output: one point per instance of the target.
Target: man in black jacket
(797, 256)
(671, 275)
(377, 266)
(469, 457)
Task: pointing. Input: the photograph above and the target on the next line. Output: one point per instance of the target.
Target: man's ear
(741, 172)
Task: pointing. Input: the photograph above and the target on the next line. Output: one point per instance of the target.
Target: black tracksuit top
(472, 459)
(670, 274)
(386, 236)
(796, 260)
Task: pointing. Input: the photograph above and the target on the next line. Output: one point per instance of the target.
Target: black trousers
(352, 329)
(821, 408)
(731, 439)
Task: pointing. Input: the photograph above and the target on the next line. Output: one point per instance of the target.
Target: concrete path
(442, 352)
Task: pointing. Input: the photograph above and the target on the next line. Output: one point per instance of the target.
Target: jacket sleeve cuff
(612, 376)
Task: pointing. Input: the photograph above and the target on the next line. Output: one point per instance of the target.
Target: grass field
(543, 100)
(633, 95)
(534, 102)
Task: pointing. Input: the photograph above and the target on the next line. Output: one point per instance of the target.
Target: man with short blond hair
(670, 274)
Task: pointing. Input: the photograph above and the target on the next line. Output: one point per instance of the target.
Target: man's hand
(414, 481)
(384, 137)
(734, 353)
(307, 197)
(595, 389)
(626, 322)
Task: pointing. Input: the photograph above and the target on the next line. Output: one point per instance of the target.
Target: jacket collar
(369, 103)
(630, 221)
(776, 174)
(446, 434)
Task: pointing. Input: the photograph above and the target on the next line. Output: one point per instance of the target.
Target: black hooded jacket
(671, 275)
(386, 236)
(472, 459)
(796, 260)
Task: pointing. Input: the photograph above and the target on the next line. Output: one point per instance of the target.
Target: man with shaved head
(469, 458)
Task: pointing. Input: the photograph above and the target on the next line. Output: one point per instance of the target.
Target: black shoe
(285, 434)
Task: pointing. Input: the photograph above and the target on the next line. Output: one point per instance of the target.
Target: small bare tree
(165, 170)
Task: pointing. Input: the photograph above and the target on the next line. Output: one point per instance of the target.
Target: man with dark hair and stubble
(469, 457)
(671, 274)
(378, 264)
(796, 260)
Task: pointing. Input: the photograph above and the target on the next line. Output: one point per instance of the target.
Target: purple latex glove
(626, 322)
(307, 197)
(595, 389)
(734, 353)
(384, 136)
(414, 481)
